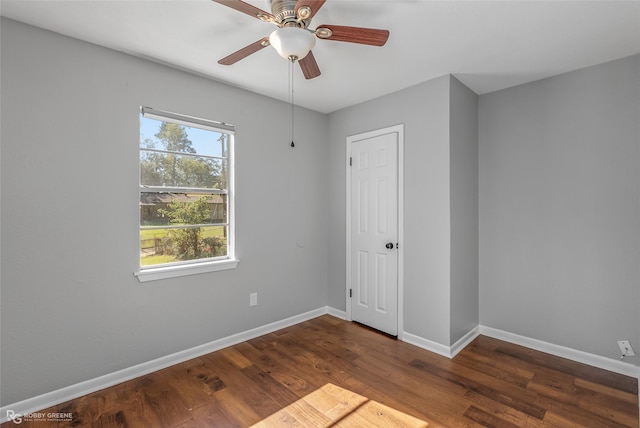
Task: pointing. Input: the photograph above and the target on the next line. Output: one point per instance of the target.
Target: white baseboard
(438, 348)
(337, 313)
(594, 360)
(53, 398)
(464, 341)
(599, 361)
(426, 344)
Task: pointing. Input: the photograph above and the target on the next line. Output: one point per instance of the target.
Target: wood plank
(487, 419)
(498, 396)
(604, 390)
(562, 386)
(559, 409)
(488, 365)
(578, 370)
(374, 414)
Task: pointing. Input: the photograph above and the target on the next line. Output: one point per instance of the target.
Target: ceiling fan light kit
(293, 40)
(292, 43)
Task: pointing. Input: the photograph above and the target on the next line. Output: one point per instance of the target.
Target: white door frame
(399, 129)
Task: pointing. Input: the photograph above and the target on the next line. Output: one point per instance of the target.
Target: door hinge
(350, 161)
(350, 292)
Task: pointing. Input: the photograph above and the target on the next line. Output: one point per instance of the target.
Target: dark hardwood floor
(489, 384)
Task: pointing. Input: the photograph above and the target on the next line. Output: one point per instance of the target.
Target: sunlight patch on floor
(332, 406)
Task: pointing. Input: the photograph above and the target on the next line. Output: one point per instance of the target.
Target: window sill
(153, 274)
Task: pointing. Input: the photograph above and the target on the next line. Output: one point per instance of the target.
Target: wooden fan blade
(248, 9)
(365, 36)
(313, 5)
(245, 52)
(309, 66)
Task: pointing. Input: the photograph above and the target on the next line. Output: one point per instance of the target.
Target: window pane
(155, 134)
(184, 182)
(160, 209)
(160, 246)
(166, 169)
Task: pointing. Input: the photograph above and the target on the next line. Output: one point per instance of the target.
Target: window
(186, 197)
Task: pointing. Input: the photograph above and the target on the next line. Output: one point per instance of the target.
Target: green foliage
(176, 170)
(197, 212)
(188, 243)
(214, 246)
(151, 234)
(158, 243)
(174, 138)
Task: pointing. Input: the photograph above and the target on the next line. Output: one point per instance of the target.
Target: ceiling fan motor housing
(285, 14)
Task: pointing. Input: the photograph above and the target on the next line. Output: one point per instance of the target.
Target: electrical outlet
(253, 299)
(625, 348)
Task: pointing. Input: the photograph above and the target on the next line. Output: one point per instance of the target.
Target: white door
(373, 231)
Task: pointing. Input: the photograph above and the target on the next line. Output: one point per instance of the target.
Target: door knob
(389, 246)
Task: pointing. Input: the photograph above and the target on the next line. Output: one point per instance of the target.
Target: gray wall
(559, 208)
(429, 171)
(463, 128)
(72, 309)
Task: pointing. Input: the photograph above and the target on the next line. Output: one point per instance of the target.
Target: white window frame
(192, 267)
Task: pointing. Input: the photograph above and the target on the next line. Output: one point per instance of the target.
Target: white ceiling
(488, 45)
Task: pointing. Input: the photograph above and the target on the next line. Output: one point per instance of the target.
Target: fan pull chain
(291, 106)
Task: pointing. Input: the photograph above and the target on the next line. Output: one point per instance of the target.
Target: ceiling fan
(293, 39)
